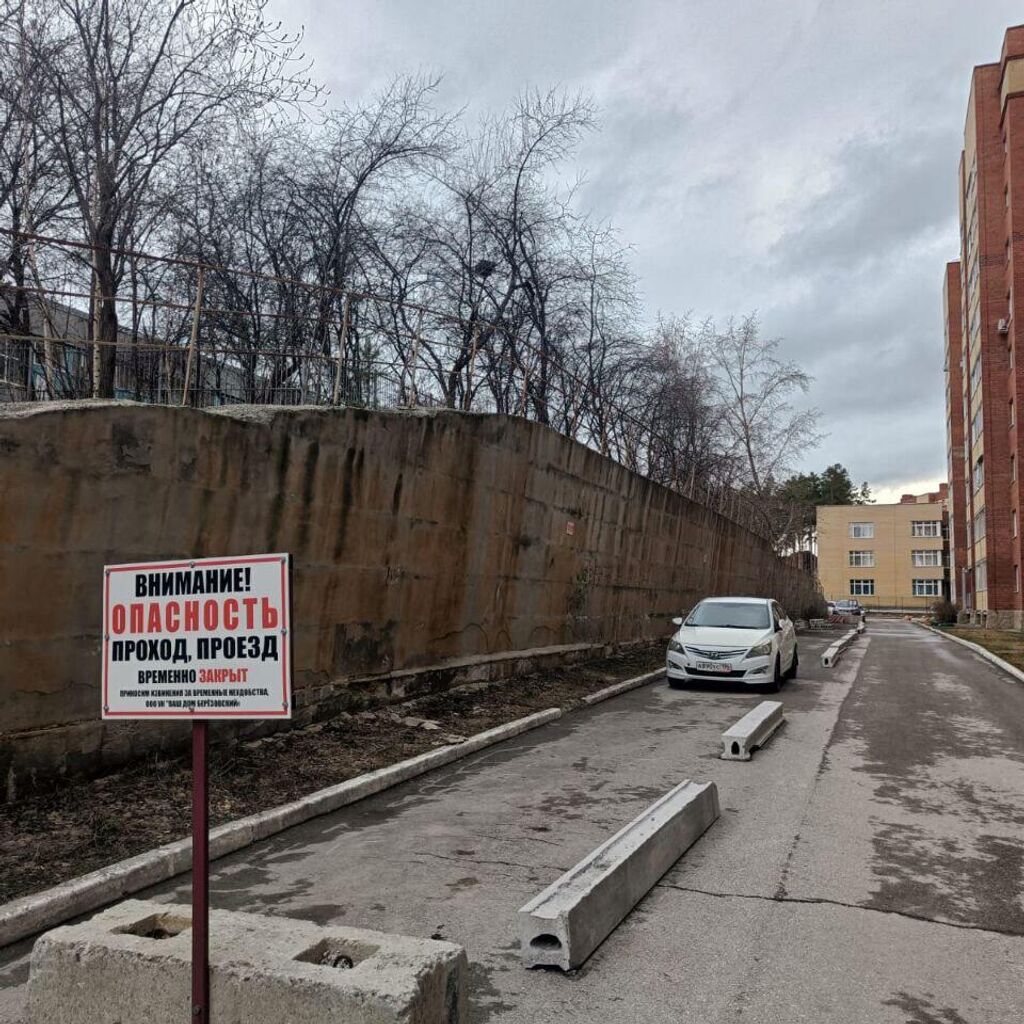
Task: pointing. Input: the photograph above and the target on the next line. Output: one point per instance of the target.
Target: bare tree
(766, 434)
(129, 82)
(33, 194)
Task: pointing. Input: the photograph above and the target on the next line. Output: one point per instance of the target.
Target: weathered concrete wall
(420, 541)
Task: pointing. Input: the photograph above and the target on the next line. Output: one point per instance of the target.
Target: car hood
(719, 636)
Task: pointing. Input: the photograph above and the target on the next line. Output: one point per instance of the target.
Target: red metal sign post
(200, 874)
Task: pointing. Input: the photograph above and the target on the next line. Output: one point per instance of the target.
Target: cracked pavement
(868, 866)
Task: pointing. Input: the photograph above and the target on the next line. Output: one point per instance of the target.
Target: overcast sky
(793, 157)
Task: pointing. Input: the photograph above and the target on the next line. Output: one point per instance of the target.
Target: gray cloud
(797, 157)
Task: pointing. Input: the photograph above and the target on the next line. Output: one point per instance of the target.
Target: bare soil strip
(87, 824)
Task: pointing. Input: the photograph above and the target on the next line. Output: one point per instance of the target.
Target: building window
(922, 558)
(865, 531)
(1016, 579)
(862, 558)
(862, 588)
(979, 525)
(1011, 412)
(976, 374)
(979, 474)
(981, 575)
(1013, 521)
(976, 426)
(927, 588)
(925, 528)
(1013, 467)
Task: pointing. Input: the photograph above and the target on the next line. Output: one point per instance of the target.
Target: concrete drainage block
(831, 656)
(752, 731)
(564, 924)
(132, 963)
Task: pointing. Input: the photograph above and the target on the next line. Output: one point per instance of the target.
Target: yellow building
(885, 556)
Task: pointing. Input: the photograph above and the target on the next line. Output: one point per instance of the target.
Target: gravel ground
(85, 825)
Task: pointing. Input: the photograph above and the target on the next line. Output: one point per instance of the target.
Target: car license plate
(714, 666)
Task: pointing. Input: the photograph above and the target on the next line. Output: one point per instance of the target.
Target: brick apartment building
(983, 321)
(959, 492)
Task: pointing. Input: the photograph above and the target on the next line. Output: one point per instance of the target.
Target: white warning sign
(207, 638)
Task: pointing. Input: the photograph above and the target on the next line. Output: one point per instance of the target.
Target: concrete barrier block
(132, 963)
(752, 731)
(564, 924)
(835, 652)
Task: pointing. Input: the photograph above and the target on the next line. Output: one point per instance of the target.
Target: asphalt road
(868, 866)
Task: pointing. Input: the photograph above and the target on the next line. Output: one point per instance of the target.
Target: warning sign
(197, 639)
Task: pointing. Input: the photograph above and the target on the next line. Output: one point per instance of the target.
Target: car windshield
(730, 615)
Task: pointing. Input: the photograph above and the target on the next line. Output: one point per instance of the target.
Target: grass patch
(1004, 643)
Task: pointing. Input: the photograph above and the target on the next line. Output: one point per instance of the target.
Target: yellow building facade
(885, 556)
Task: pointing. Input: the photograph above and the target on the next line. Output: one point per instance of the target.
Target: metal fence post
(193, 338)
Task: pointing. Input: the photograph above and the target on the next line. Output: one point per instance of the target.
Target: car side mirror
(677, 621)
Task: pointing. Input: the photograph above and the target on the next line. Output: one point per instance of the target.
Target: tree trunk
(104, 322)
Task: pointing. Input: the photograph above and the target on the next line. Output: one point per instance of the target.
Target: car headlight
(675, 646)
(761, 650)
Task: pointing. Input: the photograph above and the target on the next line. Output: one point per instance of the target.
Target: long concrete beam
(752, 731)
(565, 924)
(835, 652)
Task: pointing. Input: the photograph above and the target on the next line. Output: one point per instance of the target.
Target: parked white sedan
(750, 640)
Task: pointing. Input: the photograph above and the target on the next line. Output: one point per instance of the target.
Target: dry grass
(1005, 644)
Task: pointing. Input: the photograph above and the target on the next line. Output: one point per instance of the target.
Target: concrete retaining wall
(426, 547)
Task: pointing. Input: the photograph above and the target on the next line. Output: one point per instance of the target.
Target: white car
(749, 640)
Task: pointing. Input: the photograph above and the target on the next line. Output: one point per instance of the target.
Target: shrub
(944, 612)
(815, 609)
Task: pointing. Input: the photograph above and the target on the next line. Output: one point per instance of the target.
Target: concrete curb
(835, 652)
(993, 659)
(39, 911)
(629, 684)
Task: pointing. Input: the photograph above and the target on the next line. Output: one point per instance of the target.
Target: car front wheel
(791, 674)
(776, 684)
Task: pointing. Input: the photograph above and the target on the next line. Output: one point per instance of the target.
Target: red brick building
(986, 495)
(956, 503)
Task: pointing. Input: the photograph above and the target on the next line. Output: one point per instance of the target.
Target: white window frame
(926, 558)
(862, 559)
(862, 588)
(927, 588)
(926, 528)
(862, 531)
